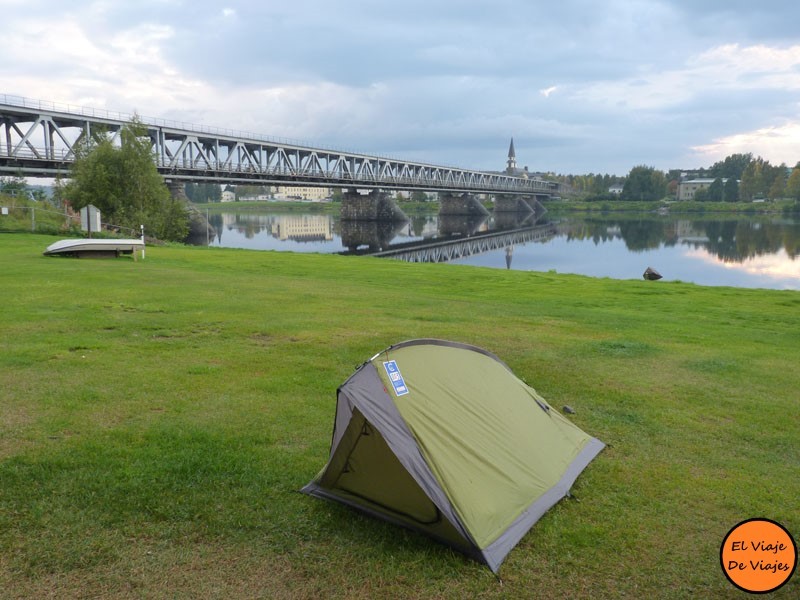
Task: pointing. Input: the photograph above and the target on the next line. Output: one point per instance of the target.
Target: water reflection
(730, 240)
(744, 252)
(298, 228)
(371, 236)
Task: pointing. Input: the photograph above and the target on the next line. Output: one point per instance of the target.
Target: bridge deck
(38, 139)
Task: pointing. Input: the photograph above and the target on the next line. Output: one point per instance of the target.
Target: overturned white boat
(94, 247)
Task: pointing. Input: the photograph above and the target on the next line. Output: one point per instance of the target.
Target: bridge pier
(460, 205)
(507, 203)
(535, 204)
(521, 204)
(375, 206)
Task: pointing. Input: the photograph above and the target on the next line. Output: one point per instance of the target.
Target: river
(740, 251)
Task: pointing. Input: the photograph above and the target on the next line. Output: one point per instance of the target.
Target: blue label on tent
(394, 376)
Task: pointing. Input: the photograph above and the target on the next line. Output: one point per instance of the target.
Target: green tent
(443, 438)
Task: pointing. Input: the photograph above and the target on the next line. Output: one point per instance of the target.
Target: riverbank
(674, 207)
(159, 417)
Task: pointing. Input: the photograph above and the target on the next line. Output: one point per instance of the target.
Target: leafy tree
(752, 180)
(248, 191)
(702, 195)
(672, 187)
(731, 191)
(644, 183)
(203, 192)
(778, 187)
(732, 166)
(793, 184)
(419, 196)
(123, 182)
(13, 186)
(761, 179)
(715, 190)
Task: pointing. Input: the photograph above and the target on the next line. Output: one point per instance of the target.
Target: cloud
(661, 82)
(776, 268)
(547, 91)
(779, 144)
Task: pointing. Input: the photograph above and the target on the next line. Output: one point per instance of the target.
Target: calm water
(740, 252)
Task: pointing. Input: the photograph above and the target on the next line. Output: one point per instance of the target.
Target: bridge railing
(188, 169)
(183, 126)
(187, 151)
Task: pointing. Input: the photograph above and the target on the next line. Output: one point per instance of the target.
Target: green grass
(159, 416)
(26, 215)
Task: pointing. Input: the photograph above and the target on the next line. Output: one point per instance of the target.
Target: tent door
(371, 472)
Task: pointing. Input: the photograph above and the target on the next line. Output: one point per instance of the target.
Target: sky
(582, 86)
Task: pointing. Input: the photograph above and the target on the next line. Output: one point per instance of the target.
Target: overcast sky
(582, 86)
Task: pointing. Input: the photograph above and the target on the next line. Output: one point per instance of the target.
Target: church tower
(511, 167)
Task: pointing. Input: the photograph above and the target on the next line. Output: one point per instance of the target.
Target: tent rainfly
(441, 437)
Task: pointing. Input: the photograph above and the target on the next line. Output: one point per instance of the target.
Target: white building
(313, 194)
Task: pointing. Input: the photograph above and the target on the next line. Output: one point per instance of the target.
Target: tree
(123, 182)
(778, 188)
(715, 190)
(644, 183)
(419, 196)
(731, 191)
(13, 186)
(793, 184)
(203, 192)
(732, 167)
(672, 187)
(752, 184)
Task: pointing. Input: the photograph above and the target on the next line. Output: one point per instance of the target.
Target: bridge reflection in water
(458, 237)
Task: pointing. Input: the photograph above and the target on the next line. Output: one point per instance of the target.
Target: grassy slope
(158, 418)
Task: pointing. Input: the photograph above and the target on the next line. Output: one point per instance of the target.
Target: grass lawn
(158, 417)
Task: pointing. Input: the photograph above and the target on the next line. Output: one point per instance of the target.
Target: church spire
(512, 159)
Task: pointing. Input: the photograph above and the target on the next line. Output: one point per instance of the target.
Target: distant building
(313, 194)
(687, 189)
(511, 164)
(616, 189)
(228, 196)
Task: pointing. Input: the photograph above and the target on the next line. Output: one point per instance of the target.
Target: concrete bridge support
(535, 203)
(513, 211)
(460, 205)
(507, 203)
(375, 206)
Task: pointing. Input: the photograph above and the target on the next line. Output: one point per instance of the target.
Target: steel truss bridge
(38, 139)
